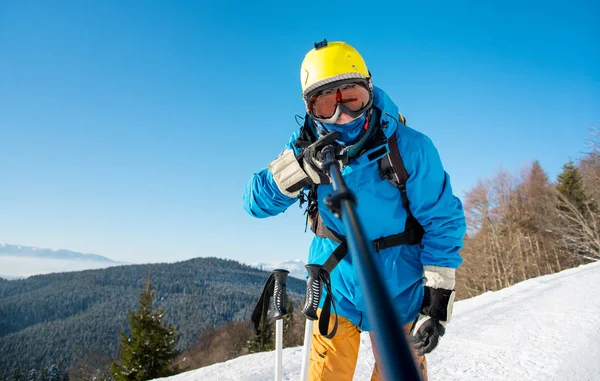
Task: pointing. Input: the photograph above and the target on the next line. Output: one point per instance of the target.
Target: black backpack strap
(410, 236)
(338, 254)
(391, 167)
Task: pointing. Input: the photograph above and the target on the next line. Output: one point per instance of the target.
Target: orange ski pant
(335, 359)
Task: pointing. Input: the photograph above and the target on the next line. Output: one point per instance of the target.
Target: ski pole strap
(262, 307)
(326, 312)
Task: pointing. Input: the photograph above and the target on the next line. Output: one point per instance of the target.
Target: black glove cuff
(435, 303)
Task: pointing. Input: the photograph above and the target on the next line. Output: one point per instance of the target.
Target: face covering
(349, 132)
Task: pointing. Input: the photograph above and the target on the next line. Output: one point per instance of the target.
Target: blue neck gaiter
(349, 132)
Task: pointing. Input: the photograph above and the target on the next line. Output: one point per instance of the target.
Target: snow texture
(546, 329)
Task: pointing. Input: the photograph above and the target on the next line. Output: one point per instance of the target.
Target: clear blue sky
(128, 128)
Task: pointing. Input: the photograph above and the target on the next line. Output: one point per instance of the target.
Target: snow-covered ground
(547, 328)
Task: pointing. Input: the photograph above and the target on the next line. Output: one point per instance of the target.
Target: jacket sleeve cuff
(440, 277)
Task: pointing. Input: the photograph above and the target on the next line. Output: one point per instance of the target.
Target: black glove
(436, 309)
(312, 158)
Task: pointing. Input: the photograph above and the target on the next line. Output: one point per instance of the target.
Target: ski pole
(279, 301)
(313, 297)
(396, 358)
(306, 349)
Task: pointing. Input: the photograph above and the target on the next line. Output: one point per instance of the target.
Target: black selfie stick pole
(395, 357)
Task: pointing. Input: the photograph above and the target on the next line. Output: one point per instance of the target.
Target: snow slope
(547, 328)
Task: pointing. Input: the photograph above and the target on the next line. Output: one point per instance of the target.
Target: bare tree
(590, 166)
(578, 230)
(511, 232)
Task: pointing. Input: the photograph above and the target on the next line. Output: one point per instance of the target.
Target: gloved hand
(436, 309)
(312, 158)
(292, 173)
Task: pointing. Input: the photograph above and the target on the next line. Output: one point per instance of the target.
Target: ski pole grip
(279, 295)
(313, 292)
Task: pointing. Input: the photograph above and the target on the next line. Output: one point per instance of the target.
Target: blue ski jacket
(381, 212)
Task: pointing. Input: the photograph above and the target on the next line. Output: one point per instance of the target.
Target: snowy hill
(547, 328)
(295, 267)
(17, 261)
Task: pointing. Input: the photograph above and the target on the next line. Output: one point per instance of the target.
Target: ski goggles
(350, 96)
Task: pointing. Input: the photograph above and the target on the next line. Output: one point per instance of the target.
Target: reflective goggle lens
(354, 96)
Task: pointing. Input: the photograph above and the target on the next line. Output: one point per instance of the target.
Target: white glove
(288, 174)
(292, 173)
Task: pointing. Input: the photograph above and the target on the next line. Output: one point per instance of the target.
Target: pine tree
(150, 351)
(53, 373)
(33, 376)
(570, 185)
(43, 374)
(17, 374)
(266, 340)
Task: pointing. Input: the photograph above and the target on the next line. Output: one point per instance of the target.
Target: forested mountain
(60, 318)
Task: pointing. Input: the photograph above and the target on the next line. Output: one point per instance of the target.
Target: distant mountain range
(37, 252)
(18, 261)
(294, 266)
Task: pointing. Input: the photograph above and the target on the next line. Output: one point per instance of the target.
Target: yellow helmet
(329, 62)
